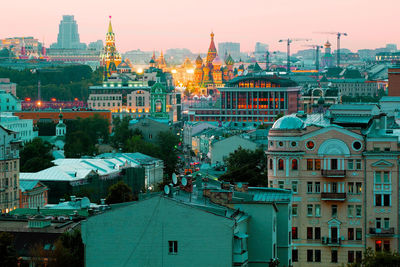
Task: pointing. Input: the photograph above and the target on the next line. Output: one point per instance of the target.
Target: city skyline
(178, 24)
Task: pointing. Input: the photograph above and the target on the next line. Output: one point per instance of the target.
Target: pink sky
(163, 24)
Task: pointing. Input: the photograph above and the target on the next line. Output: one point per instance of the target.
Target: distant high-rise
(68, 36)
(391, 47)
(260, 50)
(229, 48)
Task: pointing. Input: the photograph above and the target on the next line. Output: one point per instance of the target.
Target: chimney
(221, 197)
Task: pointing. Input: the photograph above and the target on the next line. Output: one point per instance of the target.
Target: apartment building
(343, 169)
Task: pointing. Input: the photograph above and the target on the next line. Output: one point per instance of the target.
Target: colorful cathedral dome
(327, 44)
(199, 60)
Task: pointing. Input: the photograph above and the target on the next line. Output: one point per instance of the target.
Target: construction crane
(316, 47)
(288, 42)
(338, 35)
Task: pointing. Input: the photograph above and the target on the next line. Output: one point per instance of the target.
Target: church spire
(110, 29)
(212, 51)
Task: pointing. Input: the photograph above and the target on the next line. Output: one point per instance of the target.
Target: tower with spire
(327, 58)
(110, 58)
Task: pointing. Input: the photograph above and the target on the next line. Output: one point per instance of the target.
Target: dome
(217, 61)
(327, 44)
(199, 60)
(290, 122)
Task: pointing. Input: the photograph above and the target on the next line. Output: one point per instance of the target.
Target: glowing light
(76, 99)
(140, 71)
(173, 71)
(190, 71)
(53, 99)
(38, 103)
(27, 99)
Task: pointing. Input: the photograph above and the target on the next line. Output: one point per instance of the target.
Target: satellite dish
(184, 181)
(174, 179)
(166, 189)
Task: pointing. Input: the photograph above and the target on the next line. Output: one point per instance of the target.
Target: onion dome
(229, 60)
(217, 61)
(199, 61)
(152, 61)
(327, 44)
(289, 122)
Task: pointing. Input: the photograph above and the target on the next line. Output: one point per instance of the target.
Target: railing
(381, 231)
(333, 196)
(331, 242)
(333, 173)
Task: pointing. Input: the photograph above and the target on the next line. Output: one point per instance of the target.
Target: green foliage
(121, 132)
(165, 149)
(378, 259)
(5, 54)
(83, 135)
(245, 165)
(118, 193)
(63, 82)
(69, 250)
(8, 255)
(46, 128)
(35, 156)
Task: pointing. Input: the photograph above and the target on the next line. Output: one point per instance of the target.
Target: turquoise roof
(289, 122)
(26, 185)
(352, 107)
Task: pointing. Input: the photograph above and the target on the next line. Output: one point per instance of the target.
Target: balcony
(333, 173)
(381, 232)
(333, 196)
(240, 258)
(331, 242)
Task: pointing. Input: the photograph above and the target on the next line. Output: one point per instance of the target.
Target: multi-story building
(24, 128)
(352, 86)
(342, 168)
(7, 86)
(32, 194)
(9, 102)
(251, 98)
(247, 227)
(9, 170)
(260, 51)
(229, 48)
(137, 99)
(28, 46)
(68, 36)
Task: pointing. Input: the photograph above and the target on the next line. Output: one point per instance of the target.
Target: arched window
(295, 164)
(280, 164)
(158, 106)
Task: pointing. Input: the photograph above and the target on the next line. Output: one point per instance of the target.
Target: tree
(137, 144)
(79, 144)
(118, 193)
(8, 255)
(245, 165)
(378, 259)
(121, 132)
(36, 156)
(168, 143)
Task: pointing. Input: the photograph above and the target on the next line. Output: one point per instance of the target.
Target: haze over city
(176, 24)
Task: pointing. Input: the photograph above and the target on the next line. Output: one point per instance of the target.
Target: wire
(144, 231)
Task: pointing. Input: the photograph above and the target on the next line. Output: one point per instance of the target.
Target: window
(378, 245)
(295, 255)
(386, 245)
(358, 233)
(309, 255)
(317, 257)
(294, 144)
(271, 164)
(358, 164)
(317, 164)
(351, 188)
(294, 209)
(317, 233)
(350, 256)
(334, 256)
(357, 145)
(310, 165)
(317, 210)
(350, 209)
(350, 164)
(281, 184)
(294, 164)
(280, 144)
(309, 233)
(358, 188)
(378, 223)
(295, 234)
(294, 186)
(317, 187)
(309, 210)
(309, 187)
(310, 145)
(386, 223)
(358, 210)
(350, 233)
(358, 256)
(280, 164)
(334, 210)
(173, 247)
(334, 164)
(382, 200)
